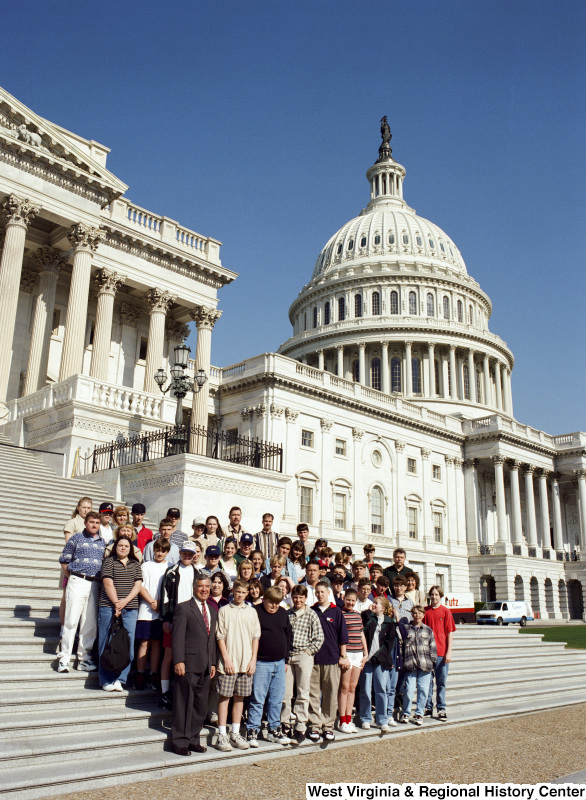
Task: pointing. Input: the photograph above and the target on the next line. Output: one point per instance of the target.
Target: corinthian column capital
(108, 282)
(50, 259)
(178, 331)
(82, 237)
(204, 317)
(17, 210)
(158, 300)
(28, 279)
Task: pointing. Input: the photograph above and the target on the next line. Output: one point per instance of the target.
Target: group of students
(303, 636)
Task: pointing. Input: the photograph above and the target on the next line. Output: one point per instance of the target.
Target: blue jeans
(441, 675)
(422, 680)
(129, 616)
(268, 684)
(379, 677)
(393, 682)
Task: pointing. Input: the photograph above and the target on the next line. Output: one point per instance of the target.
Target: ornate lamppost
(181, 384)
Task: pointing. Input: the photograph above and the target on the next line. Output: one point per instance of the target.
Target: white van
(501, 612)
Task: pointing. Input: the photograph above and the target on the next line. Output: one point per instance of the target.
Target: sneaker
(313, 735)
(252, 737)
(109, 687)
(166, 701)
(213, 718)
(329, 736)
(239, 741)
(298, 737)
(140, 682)
(287, 730)
(428, 712)
(365, 726)
(118, 687)
(344, 727)
(417, 719)
(278, 737)
(442, 716)
(63, 665)
(353, 728)
(385, 728)
(223, 743)
(86, 665)
(404, 719)
(392, 722)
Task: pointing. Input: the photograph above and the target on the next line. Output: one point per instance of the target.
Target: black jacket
(192, 644)
(388, 634)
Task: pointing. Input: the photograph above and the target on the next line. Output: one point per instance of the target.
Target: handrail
(32, 449)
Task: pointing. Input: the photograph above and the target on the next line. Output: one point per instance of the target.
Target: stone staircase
(60, 733)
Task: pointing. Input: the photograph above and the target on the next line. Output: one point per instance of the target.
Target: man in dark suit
(194, 659)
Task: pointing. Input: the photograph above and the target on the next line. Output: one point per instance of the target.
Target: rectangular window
(143, 349)
(306, 505)
(56, 322)
(412, 466)
(412, 519)
(439, 580)
(436, 472)
(340, 447)
(306, 438)
(231, 436)
(92, 331)
(340, 511)
(437, 526)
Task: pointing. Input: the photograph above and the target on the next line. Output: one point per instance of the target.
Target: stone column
(205, 319)
(486, 381)
(362, 363)
(453, 373)
(472, 377)
(558, 533)
(581, 476)
(129, 316)
(544, 509)
(386, 378)
(107, 284)
(408, 369)
(509, 392)
(50, 262)
(84, 242)
(320, 359)
(501, 510)
(471, 495)
(445, 376)
(503, 380)
(340, 352)
(159, 302)
(497, 383)
(516, 502)
(431, 369)
(531, 521)
(19, 214)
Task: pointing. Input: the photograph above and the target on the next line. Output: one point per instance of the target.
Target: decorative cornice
(28, 279)
(50, 259)
(106, 281)
(129, 315)
(82, 237)
(205, 317)
(18, 211)
(158, 300)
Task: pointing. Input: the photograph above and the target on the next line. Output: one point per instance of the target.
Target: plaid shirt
(307, 632)
(419, 650)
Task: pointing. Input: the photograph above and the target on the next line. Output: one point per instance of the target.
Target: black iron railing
(209, 442)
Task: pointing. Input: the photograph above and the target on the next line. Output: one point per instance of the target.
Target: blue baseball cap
(212, 550)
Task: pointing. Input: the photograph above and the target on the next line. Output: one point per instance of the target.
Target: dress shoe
(180, 751)
(197, 748)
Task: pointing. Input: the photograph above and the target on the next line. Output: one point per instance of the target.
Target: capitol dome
(390, 305)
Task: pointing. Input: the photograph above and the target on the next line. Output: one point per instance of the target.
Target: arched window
(315, 316)
(327, 313)
(437, 378)
(446, 307)
(355, 371)
(341, 309)
(466, 373)
(391, 238)
(478, 390)
(430, 306)
(363, 242)
(394, 302)
(357, 305)
(376, 510)
(375, 304)
(460, 308)
(305, 320)
(375, 374)
(377, 238)
(395, 374)
(416, 375)
(412, 303)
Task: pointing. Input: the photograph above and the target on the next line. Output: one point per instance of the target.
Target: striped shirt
(84, 553)
(123, 576)
(354, 625)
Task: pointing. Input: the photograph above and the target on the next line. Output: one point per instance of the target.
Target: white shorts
(355, 659)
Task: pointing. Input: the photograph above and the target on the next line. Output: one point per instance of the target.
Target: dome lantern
(386, 175)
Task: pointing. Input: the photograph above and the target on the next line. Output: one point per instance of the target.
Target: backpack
(116, 654)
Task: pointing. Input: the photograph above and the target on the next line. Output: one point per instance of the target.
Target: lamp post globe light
(181, 384)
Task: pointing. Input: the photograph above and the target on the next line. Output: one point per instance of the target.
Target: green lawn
(574, 635)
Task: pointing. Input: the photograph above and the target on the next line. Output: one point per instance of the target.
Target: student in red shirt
(440, 620)
(143, 535)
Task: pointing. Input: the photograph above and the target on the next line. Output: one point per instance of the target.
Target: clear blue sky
(254, 122)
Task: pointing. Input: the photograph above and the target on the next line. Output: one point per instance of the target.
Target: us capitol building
(390, 407)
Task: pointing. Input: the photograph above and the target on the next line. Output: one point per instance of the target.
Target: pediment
(22, 129)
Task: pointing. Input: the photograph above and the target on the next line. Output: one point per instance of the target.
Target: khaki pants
(300, 669)
(323, 696)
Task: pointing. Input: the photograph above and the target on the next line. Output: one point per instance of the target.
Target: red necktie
(206, 619)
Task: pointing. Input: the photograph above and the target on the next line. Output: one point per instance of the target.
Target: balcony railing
(208, 442)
